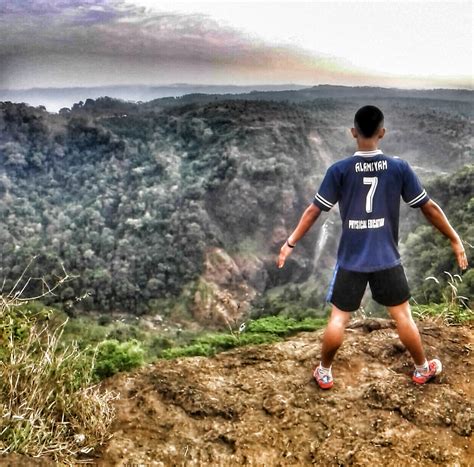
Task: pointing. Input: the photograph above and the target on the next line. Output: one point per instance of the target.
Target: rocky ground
(260, 406)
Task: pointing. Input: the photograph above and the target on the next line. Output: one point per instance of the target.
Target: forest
(146, 204)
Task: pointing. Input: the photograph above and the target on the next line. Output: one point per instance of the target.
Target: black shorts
(389, 287)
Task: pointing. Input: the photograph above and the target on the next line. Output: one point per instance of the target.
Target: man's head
(368, 123)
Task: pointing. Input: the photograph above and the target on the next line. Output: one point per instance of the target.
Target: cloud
(95, 42)
(44, 8)
(46, 29)
(80, 27)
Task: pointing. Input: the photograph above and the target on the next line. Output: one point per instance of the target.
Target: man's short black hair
(368, 120)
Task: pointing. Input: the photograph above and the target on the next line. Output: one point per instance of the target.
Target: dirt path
(260, 406)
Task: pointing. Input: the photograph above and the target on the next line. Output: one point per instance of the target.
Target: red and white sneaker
(324, 380)
(435, 368)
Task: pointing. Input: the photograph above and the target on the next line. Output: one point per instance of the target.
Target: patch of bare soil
(260, 406)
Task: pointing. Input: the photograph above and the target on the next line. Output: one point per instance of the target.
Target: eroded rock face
(221, 269)
(229, 283)
(214, 306)
(226, 287)
(253, 271)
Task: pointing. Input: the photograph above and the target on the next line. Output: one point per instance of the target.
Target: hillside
(260, 406)
(180, 210)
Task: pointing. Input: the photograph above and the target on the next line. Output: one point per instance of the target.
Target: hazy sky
(63, 43)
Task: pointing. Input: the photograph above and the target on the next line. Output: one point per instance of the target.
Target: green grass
(260, 331)
(454, 307)
(284, 325)
(191, 350)
(450, 315)
(210, 344)
(121, 346)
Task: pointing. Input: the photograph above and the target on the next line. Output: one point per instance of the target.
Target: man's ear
(381, 133)
(354, 132)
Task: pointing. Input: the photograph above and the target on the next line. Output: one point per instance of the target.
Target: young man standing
(368, 186)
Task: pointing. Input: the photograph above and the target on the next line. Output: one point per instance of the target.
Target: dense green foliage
(292, 302)
(428, 254)
(129, 204)
(129, 197)
(451, 315)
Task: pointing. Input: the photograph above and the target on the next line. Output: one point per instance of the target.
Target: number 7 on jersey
(372, 181)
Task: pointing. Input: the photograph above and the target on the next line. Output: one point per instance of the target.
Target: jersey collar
(375, 152)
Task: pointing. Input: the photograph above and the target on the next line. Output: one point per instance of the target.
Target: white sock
(326, 371)
(423, 368)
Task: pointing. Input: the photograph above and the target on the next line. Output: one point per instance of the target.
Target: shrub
(124, 332)
(253, 338)
(219, 341)
(114, 356)
(84, 331)
(440, 311)
(104, 320)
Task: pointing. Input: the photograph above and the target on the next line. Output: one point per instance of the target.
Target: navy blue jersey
(368, 187)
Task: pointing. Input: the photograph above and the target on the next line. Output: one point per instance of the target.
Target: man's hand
(438, 219)
(460, 253)
(308, 218)
(285, 251)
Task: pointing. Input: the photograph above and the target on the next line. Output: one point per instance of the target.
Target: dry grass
(48, 404)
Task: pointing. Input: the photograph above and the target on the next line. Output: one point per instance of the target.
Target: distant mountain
(53, 99)
(56, 98)
(458, 100)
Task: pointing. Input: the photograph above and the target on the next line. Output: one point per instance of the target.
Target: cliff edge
(260, 406)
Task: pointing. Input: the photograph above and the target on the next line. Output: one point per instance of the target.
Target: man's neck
(366, 146)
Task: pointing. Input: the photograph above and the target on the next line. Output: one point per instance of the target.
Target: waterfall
(321, 243)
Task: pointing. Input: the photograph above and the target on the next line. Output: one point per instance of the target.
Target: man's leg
(408, 332)
(333, 335)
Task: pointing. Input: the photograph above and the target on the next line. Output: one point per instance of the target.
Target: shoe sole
(325, 385)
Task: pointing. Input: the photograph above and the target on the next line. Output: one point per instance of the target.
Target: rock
(253, 405)
(223, 293)
(253, 271)
(221, 269)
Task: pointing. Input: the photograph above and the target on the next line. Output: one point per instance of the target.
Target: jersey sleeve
(413, 192)
(328, 194)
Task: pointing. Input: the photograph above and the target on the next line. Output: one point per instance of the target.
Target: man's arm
(438, 219)
(308, 218)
